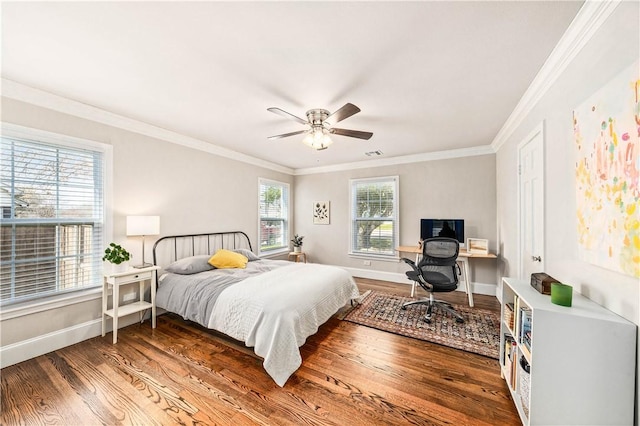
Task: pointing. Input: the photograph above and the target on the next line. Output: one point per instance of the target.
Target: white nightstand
(129, 276)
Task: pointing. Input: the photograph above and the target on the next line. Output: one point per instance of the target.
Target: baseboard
(401, 278)
(40, 345)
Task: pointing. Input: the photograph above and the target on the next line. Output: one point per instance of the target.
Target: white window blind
(374, 216)
(52, 219)
(273, 204)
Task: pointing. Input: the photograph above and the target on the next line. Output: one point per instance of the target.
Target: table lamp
(143, 226)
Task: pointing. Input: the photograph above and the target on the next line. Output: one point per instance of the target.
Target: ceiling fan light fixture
(317, 138)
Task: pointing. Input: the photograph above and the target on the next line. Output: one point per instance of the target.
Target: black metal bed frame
(214, 241)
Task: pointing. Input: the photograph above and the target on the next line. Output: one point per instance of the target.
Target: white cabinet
(115, 280)
(581, 359)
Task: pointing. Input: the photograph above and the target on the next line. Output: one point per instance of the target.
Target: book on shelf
(525, 323)
(509, 315)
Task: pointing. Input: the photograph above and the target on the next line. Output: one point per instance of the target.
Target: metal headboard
(171, 248)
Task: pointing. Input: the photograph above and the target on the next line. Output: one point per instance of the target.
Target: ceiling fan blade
(285, 135)
(287, 115)
(351, 133)
(345, 112)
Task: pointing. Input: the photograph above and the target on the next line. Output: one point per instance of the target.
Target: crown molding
(585, 24)
(18, 91)
(394, 161)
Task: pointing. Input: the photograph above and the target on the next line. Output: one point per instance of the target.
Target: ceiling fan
(320, 128)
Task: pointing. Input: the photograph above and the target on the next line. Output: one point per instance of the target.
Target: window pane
(51, 233)
(274, 209)
(374, 218)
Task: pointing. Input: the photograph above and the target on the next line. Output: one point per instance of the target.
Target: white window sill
(51, 302)
(273, 253)
(381, 258)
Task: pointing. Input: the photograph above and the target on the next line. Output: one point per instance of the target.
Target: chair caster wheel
(404, 308)
(459, 321)
(428, 321)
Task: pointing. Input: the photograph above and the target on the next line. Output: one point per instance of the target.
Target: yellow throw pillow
(224, 259)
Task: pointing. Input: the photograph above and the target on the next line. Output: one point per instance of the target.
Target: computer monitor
(453, 228)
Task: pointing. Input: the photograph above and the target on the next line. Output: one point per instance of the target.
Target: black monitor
(453, 228)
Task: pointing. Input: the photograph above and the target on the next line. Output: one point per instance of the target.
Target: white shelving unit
(130, 276)
(582, 360)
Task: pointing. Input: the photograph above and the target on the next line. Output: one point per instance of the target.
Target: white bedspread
(276, 311)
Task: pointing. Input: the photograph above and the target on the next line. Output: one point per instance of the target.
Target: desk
(463, 262)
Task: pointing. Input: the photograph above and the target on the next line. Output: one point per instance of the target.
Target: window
(52, 200)
(274, 216)
(374, 216)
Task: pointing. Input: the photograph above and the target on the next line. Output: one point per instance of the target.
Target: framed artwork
(607, 171)
(477, 246)
(321, 212)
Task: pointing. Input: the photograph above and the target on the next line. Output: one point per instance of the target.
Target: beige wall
(191, 191)
(456, 188)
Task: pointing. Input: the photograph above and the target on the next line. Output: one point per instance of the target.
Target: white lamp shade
(143, 225)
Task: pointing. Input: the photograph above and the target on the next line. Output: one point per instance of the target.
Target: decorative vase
(297, 249)
(114, 268)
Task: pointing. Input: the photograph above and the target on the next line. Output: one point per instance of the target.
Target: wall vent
(371, 153)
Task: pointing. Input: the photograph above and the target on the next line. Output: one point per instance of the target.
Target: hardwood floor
(181, 373)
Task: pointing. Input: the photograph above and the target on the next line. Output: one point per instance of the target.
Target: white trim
(585, 24)
(405, 159)
(18, 91)
(14, 90)
(401, 278)
(40, 345)
(46, 304)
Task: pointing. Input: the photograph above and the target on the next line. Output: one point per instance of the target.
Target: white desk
(463, 262)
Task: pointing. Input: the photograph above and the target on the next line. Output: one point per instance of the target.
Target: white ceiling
(428, 76)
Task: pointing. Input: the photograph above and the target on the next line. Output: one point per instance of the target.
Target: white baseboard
(400, 278)
(40, 345)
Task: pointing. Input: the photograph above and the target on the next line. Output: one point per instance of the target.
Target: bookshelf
(581, 359)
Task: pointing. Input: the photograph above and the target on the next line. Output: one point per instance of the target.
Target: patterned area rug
(480, 333)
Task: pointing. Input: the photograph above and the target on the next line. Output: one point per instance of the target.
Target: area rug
(480, 332)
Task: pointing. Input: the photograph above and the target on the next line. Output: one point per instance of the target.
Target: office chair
(437, 271)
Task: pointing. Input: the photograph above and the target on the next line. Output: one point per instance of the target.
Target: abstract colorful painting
(606, 131)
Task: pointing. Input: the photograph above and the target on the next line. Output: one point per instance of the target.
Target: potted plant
(297, 243)
(117, 256)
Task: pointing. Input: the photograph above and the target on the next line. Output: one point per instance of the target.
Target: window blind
(52, 219)
(274, 215)
(374, 220)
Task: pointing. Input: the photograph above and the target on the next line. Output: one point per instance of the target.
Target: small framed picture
(477, 246)
(321, 212)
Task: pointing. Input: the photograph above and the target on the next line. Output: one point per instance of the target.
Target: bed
(270, 305)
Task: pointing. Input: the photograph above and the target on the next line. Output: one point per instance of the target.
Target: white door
(531, 200)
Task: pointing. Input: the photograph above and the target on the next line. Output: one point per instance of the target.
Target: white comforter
(276, 311)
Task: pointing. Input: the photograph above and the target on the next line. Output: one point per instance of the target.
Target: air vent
(372, 153)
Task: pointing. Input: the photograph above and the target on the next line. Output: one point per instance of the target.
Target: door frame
(538, 130)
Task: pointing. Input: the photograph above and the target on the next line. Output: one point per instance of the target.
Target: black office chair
(437, 271)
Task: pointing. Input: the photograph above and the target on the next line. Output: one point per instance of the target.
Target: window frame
(13, 309)
(286, 220)
(393, 256)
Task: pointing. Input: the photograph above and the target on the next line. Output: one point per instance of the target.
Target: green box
(561, 294)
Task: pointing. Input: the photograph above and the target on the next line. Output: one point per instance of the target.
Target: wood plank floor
(180, 373)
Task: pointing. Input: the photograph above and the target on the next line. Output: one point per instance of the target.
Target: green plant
(116, 254)
(297, 240)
